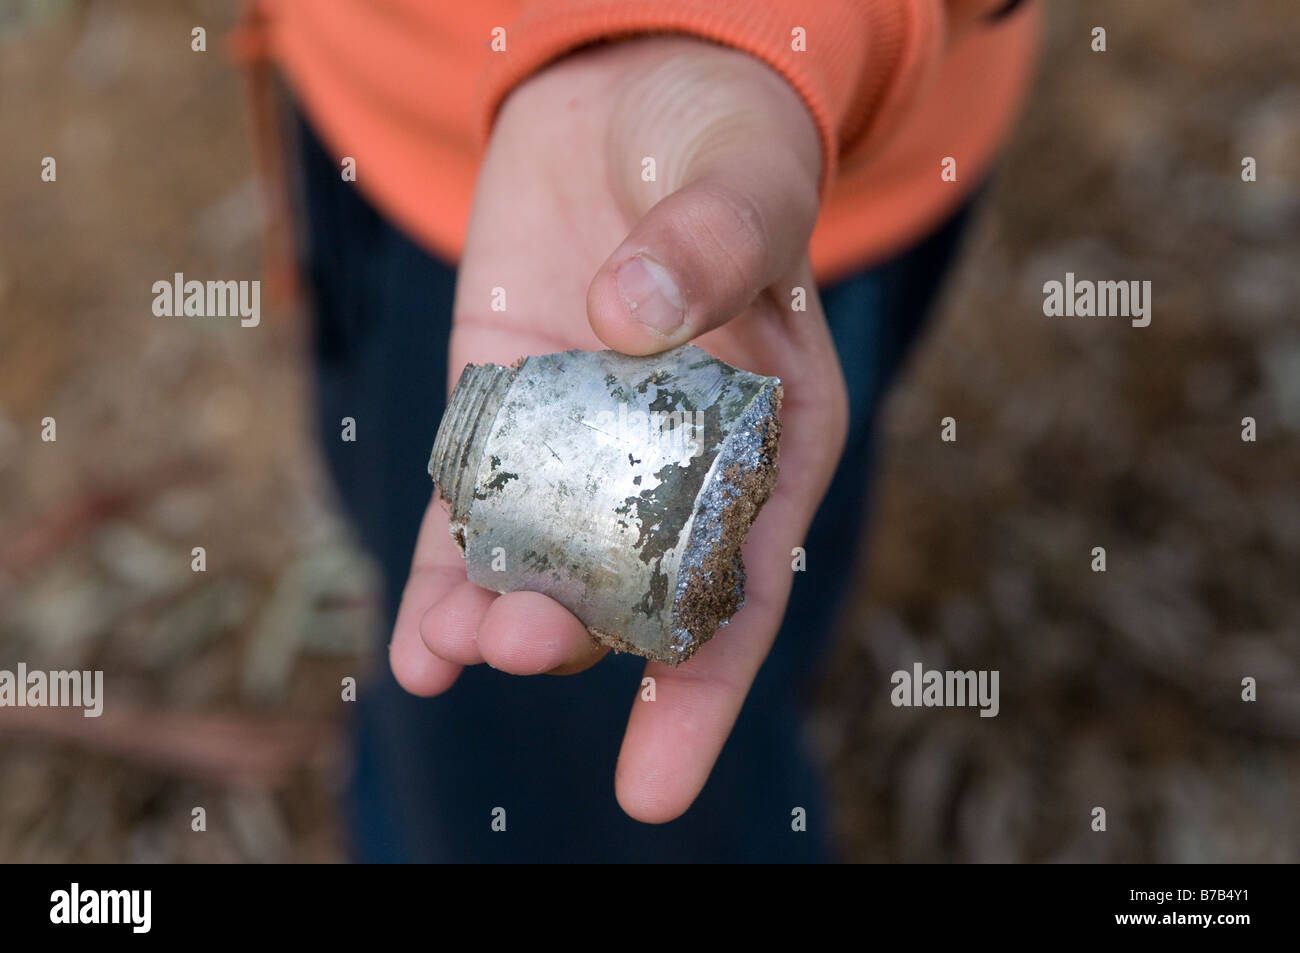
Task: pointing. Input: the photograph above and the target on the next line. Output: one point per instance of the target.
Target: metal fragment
(622, 487)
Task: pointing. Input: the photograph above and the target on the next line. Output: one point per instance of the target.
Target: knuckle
(733, 222)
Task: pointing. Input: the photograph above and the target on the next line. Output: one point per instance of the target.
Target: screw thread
(466, 423)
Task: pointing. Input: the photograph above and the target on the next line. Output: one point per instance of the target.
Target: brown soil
(711, 596)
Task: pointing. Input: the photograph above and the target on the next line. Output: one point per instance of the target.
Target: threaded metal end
(466, 423)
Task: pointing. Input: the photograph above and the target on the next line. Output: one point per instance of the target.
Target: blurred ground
(1119, 690)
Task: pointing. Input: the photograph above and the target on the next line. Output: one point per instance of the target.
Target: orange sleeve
(864, 61)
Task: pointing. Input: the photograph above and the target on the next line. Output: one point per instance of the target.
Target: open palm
(564, 200)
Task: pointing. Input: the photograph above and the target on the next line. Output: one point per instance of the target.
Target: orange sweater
(409, 89)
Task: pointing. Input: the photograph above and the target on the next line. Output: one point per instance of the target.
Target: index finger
(436, 568)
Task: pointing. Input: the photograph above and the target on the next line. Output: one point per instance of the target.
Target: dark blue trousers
(427, 774)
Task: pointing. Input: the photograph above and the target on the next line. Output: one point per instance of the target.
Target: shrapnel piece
(622, 487)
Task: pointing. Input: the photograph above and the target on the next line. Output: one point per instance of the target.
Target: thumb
(737, 221)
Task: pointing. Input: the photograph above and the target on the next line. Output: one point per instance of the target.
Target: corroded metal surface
(622, 487)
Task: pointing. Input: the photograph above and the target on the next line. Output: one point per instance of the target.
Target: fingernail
(650, 294)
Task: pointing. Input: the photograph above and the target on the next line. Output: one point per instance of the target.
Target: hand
(711, 250)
